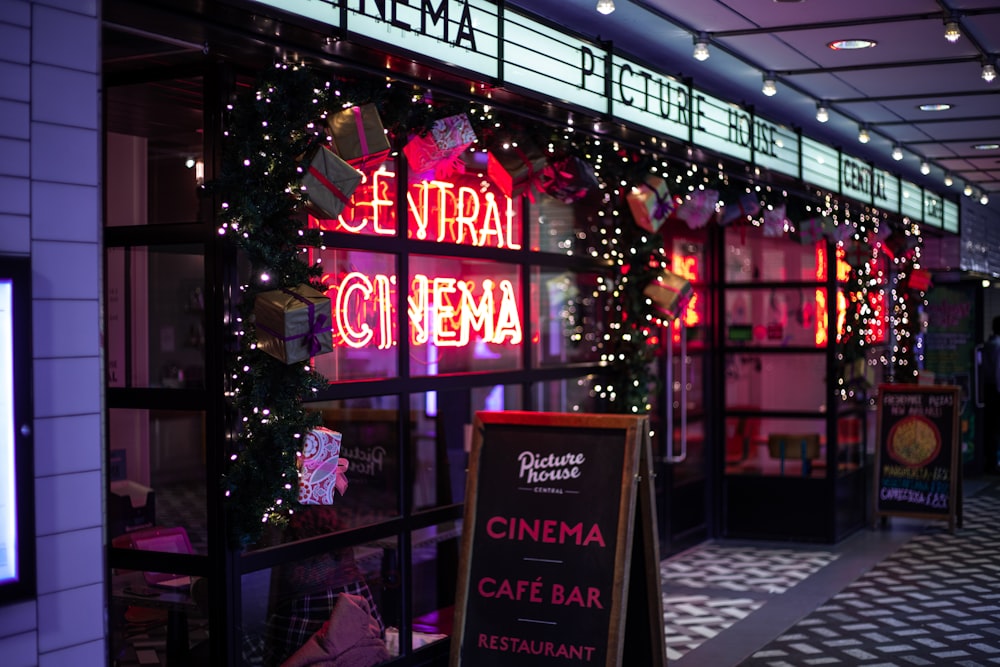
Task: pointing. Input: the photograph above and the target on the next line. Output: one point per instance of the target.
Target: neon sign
(441, 311)
(437, 210)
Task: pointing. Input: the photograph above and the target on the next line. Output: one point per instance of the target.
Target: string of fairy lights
(281, 119)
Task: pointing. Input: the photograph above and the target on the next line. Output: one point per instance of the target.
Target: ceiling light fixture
(863, 135)
(822, 112)
(984, 200)
(989, 72)
(948, 180)
(952, 31)
(605, 6)
(701, 47)
(968, 190)
(897, 152)
(934, 106)
(770, 86)
(985, 147)
(925, 167)
(852, 44)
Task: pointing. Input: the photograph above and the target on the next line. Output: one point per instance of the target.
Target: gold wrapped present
(358, 137)
(329, 183)
(669, 293)
(293, 324)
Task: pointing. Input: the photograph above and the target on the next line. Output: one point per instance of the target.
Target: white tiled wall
(50, 201)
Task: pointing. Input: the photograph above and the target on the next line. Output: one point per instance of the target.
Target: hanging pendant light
(701, 47)
(770, 86)
(822, 113)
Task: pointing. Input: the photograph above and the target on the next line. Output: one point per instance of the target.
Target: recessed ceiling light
(985, 147)
(934, 106)
(852, 44)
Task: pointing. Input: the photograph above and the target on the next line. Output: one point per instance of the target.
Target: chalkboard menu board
(558, 511)
(917, 472)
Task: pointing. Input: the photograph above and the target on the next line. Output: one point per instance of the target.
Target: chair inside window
(784, 446)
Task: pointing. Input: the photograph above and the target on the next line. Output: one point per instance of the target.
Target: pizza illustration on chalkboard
(914, 441)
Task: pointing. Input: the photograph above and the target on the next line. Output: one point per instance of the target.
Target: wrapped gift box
(651, 203)
(775, 221)
(322, 471)
(358, 137)
(698, 208)
(813, 230)
(329, 183)
(746, 205)
(669, 293)
(440, 150)
(568, 179)
(919, 280)
(857, 254)
(899, 244)
(517, 169)
(293, 324)
(843, 232)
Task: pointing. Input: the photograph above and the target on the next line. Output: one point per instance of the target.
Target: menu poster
(916, 459)
(550, 533)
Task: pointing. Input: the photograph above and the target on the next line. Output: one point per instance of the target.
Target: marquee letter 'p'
(586, 65)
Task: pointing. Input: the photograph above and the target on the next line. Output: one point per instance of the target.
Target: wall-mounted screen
(17, 552)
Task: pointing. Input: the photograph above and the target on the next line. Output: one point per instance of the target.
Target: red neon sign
(442, 311)
(472, 213)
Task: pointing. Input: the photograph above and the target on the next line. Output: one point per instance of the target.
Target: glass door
(680, 416)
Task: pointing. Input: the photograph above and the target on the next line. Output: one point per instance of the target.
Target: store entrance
(680, 410)
(681, 443)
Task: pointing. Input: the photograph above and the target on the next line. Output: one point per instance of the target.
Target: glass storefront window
(370, 442)
(568, 317)
(573, 395)
(157, 478)
(154, 160)
(156, 302)
(371, 210)
(364, 296)
(284, 606)
(776, 381)
(462, 209)
(434, 563)
(751, 257)
(775, 447)
(157, 624)
(439, 461)
(464, 315)
(497, 398)
(777, 317)
(566, 229)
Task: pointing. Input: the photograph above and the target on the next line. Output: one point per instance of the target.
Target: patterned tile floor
(910, 595)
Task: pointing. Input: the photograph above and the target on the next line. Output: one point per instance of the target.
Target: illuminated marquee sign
(442, 310)
(475, 35)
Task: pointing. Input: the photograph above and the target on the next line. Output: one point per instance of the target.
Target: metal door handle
(668, 393)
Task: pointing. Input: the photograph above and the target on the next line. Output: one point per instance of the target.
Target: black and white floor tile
(929, 597)
(936, 601)
(703, 587)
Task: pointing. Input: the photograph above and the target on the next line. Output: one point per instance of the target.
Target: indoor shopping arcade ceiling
(922, 97)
